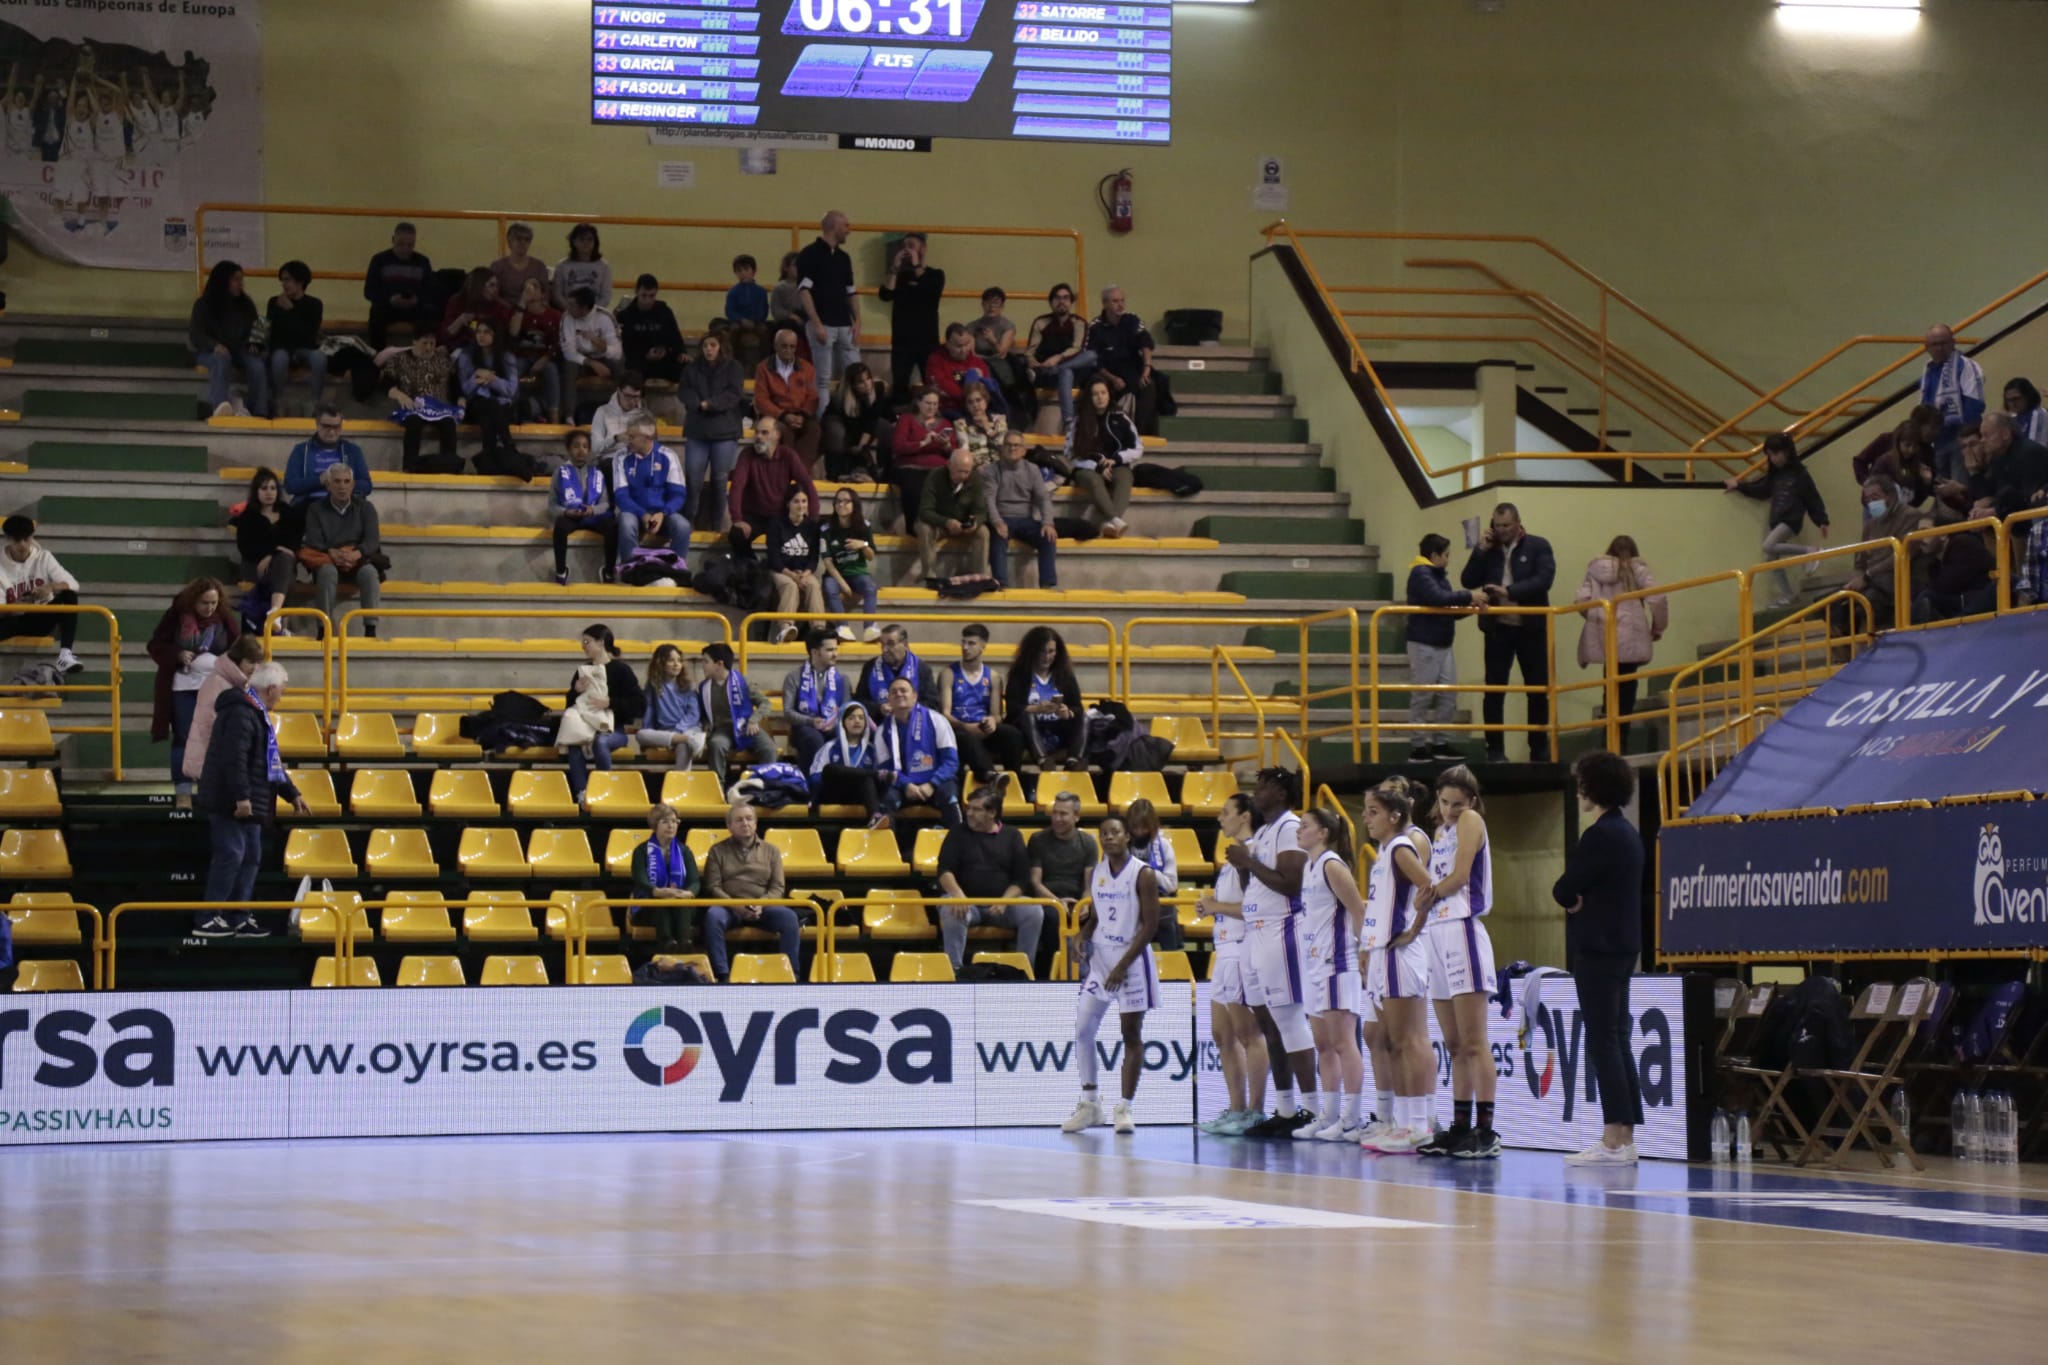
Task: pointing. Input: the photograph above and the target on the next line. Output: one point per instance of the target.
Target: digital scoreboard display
(1040, 69)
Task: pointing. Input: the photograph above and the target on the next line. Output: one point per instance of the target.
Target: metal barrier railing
(1613, 671)
(1301, 624)
(111, 688)
(322, 637)
(1219, 659)
(1375, 722)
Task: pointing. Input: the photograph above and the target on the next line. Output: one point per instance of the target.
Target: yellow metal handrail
(1219, 659)
(1374, 725)
(111, 688)
(749, 646)
(95, 946)
(323, 641)
(1613, 673)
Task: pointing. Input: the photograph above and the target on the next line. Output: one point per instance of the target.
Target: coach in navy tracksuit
(1513, 568)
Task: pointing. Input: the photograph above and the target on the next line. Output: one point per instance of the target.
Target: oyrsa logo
(1561, 1038)
(1995, 902)
(683, 1026)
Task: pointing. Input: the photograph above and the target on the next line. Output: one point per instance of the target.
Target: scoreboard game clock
(1055, 70)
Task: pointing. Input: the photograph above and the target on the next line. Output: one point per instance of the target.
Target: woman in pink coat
(1638, 623)
(229, 670)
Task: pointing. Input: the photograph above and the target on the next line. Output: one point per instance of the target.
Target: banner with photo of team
(122, 118)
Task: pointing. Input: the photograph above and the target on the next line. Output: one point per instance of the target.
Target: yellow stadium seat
(37, 854)
(362, 971)
(1082, 785)
(29, 794)
(541, 794)
(1191, 924)
(700, 840)
(318, 922)
(318, 853)
(1190, 739)
(1187, 853)
(870, 853)
(921, 967)
(924, 854)
(696, 795)
(1204, 793)
(560, 853)
(702, 960)
(417, 917)
(44, 917)
(487, 852)
(1017, 960)
(618, 851)
(462, 794)
(488, 918)
(513, 971)
(598, 922)
(1172, 964)
(382, 794)
(611, 969)
(617, 796)
(803, 854)
(1016, 805)
(895, 919)
(844, 968)
(316, 786)
(403, 852)
(438, 735)
(299, 736)
(431, 971)
(367, 736)
(761, 969)
(1125, 788)
(26, 734)
(40, 975)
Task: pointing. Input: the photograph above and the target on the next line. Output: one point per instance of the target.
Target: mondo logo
(677, 1022)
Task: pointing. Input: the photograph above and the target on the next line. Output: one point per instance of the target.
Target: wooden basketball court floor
(867, 1246)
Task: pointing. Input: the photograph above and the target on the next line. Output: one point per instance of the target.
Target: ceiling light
(1855, 18)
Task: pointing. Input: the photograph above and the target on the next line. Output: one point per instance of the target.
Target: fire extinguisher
(1115, 193)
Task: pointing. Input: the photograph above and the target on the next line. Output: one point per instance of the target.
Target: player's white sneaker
(1376, 1128)
(1600, 1154)
(1333, 1131)
(1087, 1114)
(1121, 1119)
(1395, 1142)
(1308, 1132)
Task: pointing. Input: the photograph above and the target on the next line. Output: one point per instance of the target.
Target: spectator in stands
(786, 299)
(1150, 846)
(2015, 468)
(1954, 385)
(953, 367)
(2023, 404)
(923, 442)
(981, 428)
(608, 423)
(1063, 858)
(1513, 568)
(913, 290)
(995, 338)
(1925, 420)
(813, 695)
(399, 285)
(535, 330)
(268, 532)
(519, 267)
(30, 576)
(767, 472)
(713, 397)
(477, 301)
(830, 302)
(1042, 700)
(488, 380)
(1602, 894)
(970, 697)
(895, 660)
(239, 788)
(1056, 350)
(918, 756)
(986, 858)
(590, 338)
(417, 379)
(583, 268)
(580, 499)
(648, 492)
(293, 318)
(1432, 656)
(223, 327)
(305, 470)
(1123, 356)
(194, 630)
(1103, 450)
(849, 563)
(857, 428)
(1959, 579)
(1792, 497)
(1884, 518)
(1022, 510)
(746, 868)
(953, 511)
(746, 312)
(343, 540)
(649, 333)
(732, 711)
(843, 769)
(1961, 500)
(674, 719)
(1909, 464)
(664, 869)
(794, 550)
(785, 388)
(230, 673)
(1639, 622)
(621, 706)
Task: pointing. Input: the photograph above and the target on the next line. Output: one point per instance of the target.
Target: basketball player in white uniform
(1461, 975)
(1271, 863)
(1397, 971)
(1333, 915)
(1117, 930)
(1240, 1046)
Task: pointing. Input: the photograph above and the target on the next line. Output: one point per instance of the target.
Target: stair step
(98, 571)
(68, 511)
(1281, 530)
(1298, 583)
(1190, 382)
(110, 407)
(1268, 479)
(137, 751)
(1286, 640)
(127, 355)
(46, 456)
(1251, 430)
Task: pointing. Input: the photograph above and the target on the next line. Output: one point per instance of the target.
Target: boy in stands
(31, 576)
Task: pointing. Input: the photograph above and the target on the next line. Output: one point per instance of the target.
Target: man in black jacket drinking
(1512, 568)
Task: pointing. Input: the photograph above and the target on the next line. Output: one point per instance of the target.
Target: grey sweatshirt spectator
(1431, 657)
(344, 528)
(1020, 507)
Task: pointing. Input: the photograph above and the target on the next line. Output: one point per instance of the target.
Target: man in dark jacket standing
(1430, 640)
(1510, 567)
(238, 791)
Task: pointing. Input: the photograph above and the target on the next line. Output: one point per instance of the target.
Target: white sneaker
(1120, 1118)
(1352, 1135)
(1376, 1128)
(1087, 1113)
(1308, 1132)
(871, 634)
(1396, 1142)
(1333, 1131)
(67, 662)
(224, 409)
(845, 633)
(1600, 1154)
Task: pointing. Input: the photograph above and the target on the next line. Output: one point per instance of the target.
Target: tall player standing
(1461, 975)
(1116, 933)
(1271, 864)
(1332, 915)
(1240, 1046)
(1397, 970)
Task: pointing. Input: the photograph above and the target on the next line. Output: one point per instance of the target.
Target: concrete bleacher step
(1281, 530)
(1206, 382)
(83, 405)
(180, 513)
(1305, 582)
(1331, 639)
(106, 354)
(1233, 406)
(1270, 431)
(1274, 478)
(115, 457)
(152, 566)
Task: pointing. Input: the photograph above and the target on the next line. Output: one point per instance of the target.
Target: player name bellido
(858, 142)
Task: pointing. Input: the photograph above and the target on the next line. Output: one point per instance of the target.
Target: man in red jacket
(955, 365)
(759, 492)
(786, 388)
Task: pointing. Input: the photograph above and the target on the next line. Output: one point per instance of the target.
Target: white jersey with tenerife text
(1389, 896)
(1229, 929)
(1262, 904)
(1328, 924)
(1475, 898)
(1117, 913)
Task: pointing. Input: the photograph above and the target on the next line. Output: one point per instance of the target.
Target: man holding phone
(954, 509)
(913, 291)
(1511, 568)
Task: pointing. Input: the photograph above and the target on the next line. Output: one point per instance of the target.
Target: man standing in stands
(399, 285)
(1510, 567)
(986, 858)
(1953, 384)
(831, 303)
(745, 867)
(30, 576)
(305, 473)
(1123, 355)
(913, 291)
(343, 540)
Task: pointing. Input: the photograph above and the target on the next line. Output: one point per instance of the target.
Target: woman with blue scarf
(663, 870)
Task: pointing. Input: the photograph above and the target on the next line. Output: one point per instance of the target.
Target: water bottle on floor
(1743, 1150)
(1720, 1136)
(2012, 1130)
(2003, 1135)
(1902, 1115)
(1970, 1111)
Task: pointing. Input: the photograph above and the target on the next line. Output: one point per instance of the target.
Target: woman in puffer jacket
(1639, 622)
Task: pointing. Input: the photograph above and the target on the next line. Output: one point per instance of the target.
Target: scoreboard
(1039, 69)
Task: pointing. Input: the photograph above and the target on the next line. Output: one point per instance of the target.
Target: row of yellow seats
(748, 969)
(440, 971)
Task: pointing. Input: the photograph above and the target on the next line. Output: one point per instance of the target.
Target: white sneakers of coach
(1087, 1113)
(1600, 1154)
